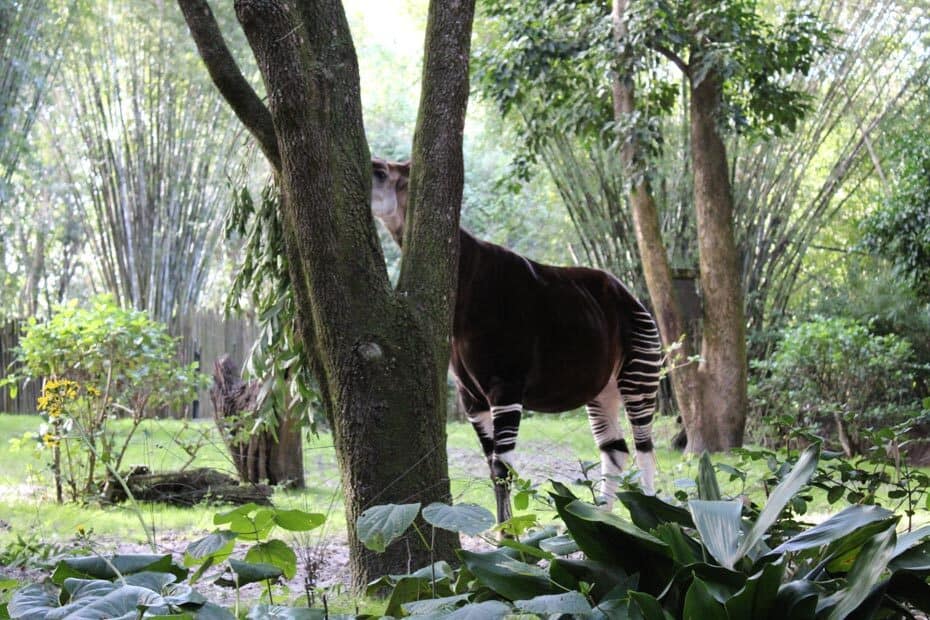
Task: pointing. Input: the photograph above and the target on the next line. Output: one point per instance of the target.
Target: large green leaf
(607, 538)
(464, 518)
(915, 560)
(559, 545)
(298, 520)
(786, 489)
(434, 606)
(756, 599)
(488, 610)
(700, 603)
(279, 612)
(708, 489)
(865, 573)
(649, 607)
(275, 552)
(840, 555)
(605, 577)
(648, 511)
(216, 547)
(683, 549)
(33, 601)
(510, 578)
(833, 529)
(379, 526)
(573, 603)
(797, 600)
(247, 572)
(718, 523)
(123, 602)
(100, 567)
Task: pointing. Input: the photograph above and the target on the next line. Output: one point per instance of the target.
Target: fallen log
(186, 488)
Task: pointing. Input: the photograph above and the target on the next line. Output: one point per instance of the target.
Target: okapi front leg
(506, 423)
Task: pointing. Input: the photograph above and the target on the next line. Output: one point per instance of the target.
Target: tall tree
(797, 118)
(151, 163)
(31, 35)
(379, 353)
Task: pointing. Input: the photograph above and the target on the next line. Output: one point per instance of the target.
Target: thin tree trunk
(723, 368)
(652, 250)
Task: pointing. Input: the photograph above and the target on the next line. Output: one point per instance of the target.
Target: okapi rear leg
(603, 415)
(505, 420)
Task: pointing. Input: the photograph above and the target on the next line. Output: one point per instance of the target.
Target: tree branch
(675, 58)
(228, 77)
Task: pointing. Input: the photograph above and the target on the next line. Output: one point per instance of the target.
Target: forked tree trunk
(377, 353)
(712, 395)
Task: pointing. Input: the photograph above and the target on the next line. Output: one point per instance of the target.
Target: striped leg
(603, 415)
(639, 383)
(505, 420)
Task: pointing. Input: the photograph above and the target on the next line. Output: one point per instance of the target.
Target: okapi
(546, 338)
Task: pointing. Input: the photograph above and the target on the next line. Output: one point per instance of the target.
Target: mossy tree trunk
(712, 394)
(379, 354)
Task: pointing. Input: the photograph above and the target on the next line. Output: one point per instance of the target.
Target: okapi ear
(404, 167)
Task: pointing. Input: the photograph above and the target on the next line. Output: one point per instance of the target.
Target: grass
(549, 446)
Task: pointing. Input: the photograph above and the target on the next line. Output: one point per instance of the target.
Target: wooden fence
(205, 337)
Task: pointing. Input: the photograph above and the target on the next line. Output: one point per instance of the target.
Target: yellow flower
(50, 440)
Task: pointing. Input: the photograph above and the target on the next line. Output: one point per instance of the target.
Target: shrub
(711, 558)
(836, 376)
(98, 364)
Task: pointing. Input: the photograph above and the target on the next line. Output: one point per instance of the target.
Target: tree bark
(712, 395)
(377, 353)
(723, 368)
(652, 251)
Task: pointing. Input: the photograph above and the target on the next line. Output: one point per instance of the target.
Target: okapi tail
(638, 379)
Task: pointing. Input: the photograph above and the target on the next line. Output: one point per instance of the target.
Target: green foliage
(899, 229)
(99, 363)
(717, 558)
(278, 357)
(836, 376)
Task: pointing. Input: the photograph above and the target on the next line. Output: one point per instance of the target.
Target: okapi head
(389, 194)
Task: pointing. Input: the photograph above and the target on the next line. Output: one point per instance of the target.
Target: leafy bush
(99, 363)
(143, 585)
(714, 558)
(835, 376)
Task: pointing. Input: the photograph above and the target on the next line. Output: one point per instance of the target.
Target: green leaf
(649, 606)
(786, 489)
(216, 547)
(648, 511)
(298, 520)
(379, 526)
(548, 604)
(835, 528)
(523, 550)
(599, 534)
(570, 573)
(33, 601)
(797, 600)
(434, 606)
(275, 552)
(559, 545)
(865, 573)
(757, 598)
(700, 603)
(464, 518)
(488, 610)
(247, 572)
(708, 489)
(718, 523)
(508, 577)
(99, 567)
(279, 612)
